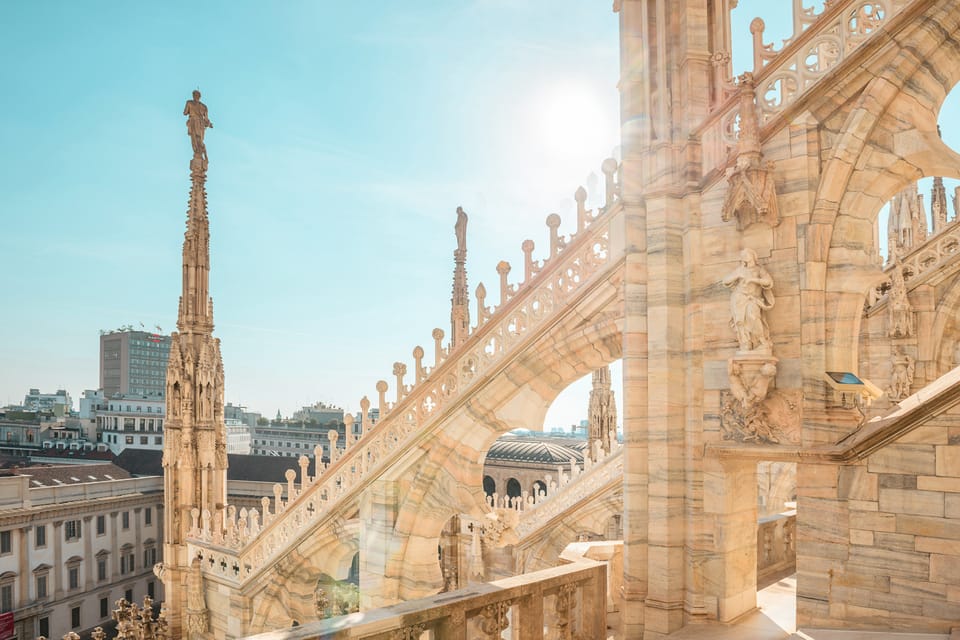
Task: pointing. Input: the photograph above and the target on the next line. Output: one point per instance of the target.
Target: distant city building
(133, 363)
(132, 421)
(59, 403)
(66, 558)
(18, 428)
(521, 462)
(319, 413)
(92, 402)
(238, 436)
(295, 439)
(239, 412)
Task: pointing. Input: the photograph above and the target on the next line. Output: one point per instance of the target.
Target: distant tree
(262, 422)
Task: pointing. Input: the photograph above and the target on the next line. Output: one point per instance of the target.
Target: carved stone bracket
(751, 196)
(745, 414)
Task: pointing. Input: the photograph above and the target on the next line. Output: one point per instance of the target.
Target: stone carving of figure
(460, 228)
(901, 376)
(901, 313)
(197, 124)
(752, 295)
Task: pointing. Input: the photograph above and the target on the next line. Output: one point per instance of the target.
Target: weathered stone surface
(911, 459)
(948, 461)
(856, 483)
(945, 569)
(924, 503)
(904, 564)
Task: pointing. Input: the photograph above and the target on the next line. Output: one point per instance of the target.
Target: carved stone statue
(197, 124)
(460, 229)
(900, 311)
(752, 295)
(901, 375)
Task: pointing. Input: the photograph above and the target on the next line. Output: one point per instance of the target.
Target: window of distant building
(6, 591)
(73, 572)
(148, 516)
(104, 608)
(71, 530)
(128, 595)
(126, 559)
(40, 579)
(125, 519)
(102, 559)
(43, 627)
(129, 439)
(101, 525)
(6, 544)
(40, 536)
(75, 617)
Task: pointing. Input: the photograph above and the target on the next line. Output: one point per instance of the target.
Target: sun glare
(571, 121)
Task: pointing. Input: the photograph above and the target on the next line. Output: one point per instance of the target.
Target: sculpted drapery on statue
(197, 124)
(460, 229)
(752, 295)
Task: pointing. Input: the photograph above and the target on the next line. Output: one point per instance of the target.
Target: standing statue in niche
(752, 295)
(901, 375)
(197, 124)
(900, 310)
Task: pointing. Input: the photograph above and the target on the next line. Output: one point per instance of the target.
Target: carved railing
(820, 41)
(568, 602)
(251, 538)
(572, 486)
(921, 260)
(776, 545)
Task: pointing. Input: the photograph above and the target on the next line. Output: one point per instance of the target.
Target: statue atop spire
(197, 124)
(460, 302)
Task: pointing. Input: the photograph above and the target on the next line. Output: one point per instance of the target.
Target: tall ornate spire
(938, 205)
(603, 412)
(195, 440)
(460, 302)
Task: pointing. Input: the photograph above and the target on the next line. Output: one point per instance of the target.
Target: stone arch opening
(538, 489)
(514, 490)
(489, 486)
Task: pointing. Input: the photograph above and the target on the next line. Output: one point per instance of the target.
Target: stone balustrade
(927, 257)
(776, 546)
(820, 42)
(250, 538)
(567, 601)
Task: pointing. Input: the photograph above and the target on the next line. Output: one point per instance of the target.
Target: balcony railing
(565, 602)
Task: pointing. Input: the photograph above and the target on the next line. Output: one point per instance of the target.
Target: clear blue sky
(345, 136)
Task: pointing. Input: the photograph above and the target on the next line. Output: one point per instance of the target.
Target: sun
(571, 121)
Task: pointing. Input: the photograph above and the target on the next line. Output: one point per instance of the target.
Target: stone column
(114, 548)
(26, 568)
(378, 517)
(138, 544)
(730, 511)
(88, 560)
(632, 235)
(57, 574)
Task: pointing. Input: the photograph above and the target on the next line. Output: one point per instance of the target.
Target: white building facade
(69, 550)
(132, 421)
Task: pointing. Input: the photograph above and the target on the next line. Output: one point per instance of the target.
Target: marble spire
(195, 442)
